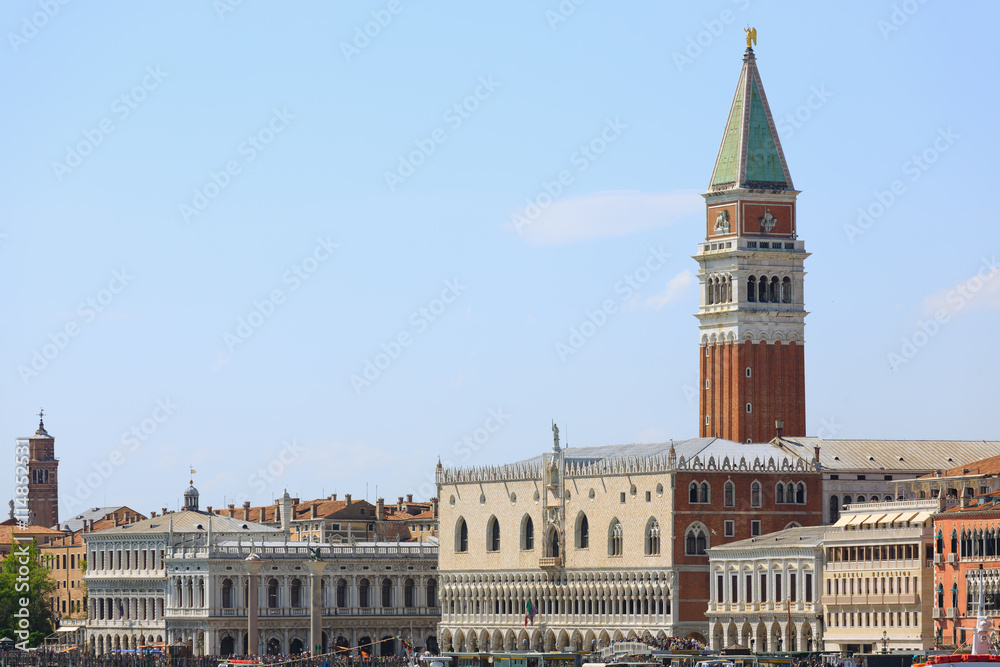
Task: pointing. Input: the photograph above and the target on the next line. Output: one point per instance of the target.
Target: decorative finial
(193, 471)
(41, 419)
(751, 36)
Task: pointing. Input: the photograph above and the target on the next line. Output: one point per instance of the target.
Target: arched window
(461, 536)
(762, 289)
(272, 593)
(940, 596)
(847, 500)
(695, 540)
(703, 493)
(582, 532)
(789, 493)
(751, 289)
(729, 494)
(387, 592)
(653, 537)
(227, 594)
(552, 544)
(786, 290)
(710, 289)
(834, 508)
(527, 533)
(342, 593)
(954, 595)
(296, 591)
(432, 598)
(729, 289)
(954, 541)
(779, 493)
(773, 298)
(719, 298)
(493, 534)
(615, 538)
(755, 494)
(800, 493)
(693, 492)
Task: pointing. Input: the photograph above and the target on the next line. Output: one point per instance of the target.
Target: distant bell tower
(43, 478)
(750, 270)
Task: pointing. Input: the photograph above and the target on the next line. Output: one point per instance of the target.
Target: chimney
(231, 513)
(313, 511)
(816, 453)
(333, 496)
(380, 509)
(246, 510)
(152, 515)
(399, 503)
(209, 508)
(164, 513)
(434, 507)
(779, 426)
(347, 499)
(409, 497)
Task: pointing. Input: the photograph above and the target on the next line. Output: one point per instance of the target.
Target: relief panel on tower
(722, 221)
(768, 219)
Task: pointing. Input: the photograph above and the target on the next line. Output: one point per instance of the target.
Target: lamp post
(885, 642)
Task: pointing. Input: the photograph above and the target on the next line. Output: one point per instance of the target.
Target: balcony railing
(550, 562)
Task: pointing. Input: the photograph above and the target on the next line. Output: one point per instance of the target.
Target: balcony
(938, 612)
(550, 563)
(938, 558)
(953, 613)
(953, 558)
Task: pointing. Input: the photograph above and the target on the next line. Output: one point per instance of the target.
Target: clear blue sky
(180, 166)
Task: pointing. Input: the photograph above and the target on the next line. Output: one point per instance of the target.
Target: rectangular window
(834, 476)
(622, 496)
(749, 590)
(730, 528)
(754, 528)
(777, 588)
(763, 588)
(809, 587)
(888, 478)
(793, 593)
(862, 477)
(649, 496)
(734, 588)
(720, 588)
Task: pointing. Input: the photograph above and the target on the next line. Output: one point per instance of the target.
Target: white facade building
(766, 592)
(183, 578)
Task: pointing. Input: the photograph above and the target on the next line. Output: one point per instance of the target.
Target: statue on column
(555, 438)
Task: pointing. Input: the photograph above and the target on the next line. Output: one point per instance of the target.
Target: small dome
(191, 498)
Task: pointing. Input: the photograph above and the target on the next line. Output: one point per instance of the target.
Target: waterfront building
(766, 592)
(878, 577)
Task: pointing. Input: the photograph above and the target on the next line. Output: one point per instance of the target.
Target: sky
(319, 245)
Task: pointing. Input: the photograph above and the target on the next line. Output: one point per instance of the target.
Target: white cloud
(674, 290)
(980, 290)
(612, 213)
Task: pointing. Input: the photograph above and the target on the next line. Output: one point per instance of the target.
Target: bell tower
(751, 311)
(43, 484)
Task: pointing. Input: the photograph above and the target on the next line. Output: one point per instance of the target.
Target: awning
(857, 519)
(921, 517)
(873, 519)
(842, 521)
(889, 518)
(906, 517)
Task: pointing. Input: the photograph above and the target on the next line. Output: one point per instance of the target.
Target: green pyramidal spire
(750, 157)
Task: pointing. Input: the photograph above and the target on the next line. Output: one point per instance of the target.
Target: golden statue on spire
(751, 37)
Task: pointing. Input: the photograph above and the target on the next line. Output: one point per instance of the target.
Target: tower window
(773, 297)
(749, 408)
(751, 289)
(762, 289)
(749, 374)
(706, 420)
(786, 290)
(706, 384)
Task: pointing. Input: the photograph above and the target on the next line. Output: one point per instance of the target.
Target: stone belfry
(43, 478)
(750, 269)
